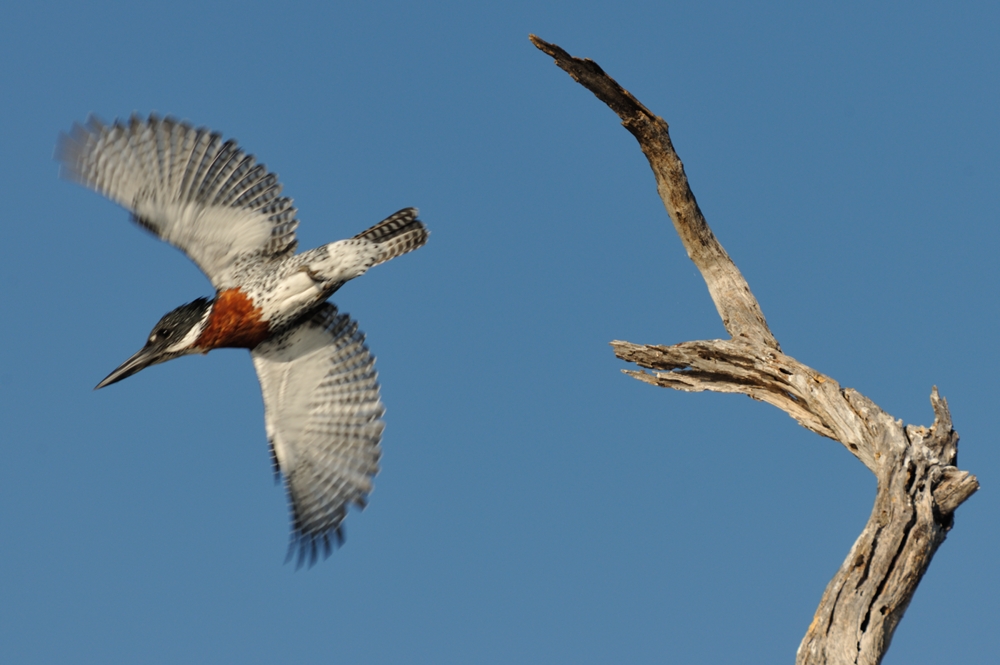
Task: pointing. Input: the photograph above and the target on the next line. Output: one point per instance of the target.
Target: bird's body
(212, 201)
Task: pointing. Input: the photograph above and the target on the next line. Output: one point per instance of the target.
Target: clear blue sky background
(535, 505)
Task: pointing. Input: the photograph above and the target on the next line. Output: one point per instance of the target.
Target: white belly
(313, 275)
(294, 293)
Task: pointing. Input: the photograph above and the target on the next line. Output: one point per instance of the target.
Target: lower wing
(323, 417)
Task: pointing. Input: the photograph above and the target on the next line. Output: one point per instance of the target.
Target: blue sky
(535, 505)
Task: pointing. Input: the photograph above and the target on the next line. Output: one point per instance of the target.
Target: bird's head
(172, 337)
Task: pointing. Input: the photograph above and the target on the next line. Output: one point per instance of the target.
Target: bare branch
(919, 486)
(741, 315)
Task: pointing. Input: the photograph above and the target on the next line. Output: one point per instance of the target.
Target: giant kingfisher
(211, 200)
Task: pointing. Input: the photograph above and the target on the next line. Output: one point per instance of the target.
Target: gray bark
(919, 486)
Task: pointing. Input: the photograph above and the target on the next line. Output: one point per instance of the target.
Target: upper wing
(323, 417)
(205, 197)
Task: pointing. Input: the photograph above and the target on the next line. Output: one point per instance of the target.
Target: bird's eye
(162, 333)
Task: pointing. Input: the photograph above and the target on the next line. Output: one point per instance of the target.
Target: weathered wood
(919, 486)
(737, 306)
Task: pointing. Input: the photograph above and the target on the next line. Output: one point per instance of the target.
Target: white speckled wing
(323, 417)
(204, 196)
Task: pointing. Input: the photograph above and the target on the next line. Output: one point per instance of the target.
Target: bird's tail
(397, 234)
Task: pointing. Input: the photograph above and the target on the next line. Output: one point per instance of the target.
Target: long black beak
(140, 361)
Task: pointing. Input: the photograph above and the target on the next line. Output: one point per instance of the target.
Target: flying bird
(214, 202)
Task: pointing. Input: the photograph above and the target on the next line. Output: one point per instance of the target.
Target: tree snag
(919, 486)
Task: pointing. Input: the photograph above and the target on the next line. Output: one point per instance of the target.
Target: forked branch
(919, 486)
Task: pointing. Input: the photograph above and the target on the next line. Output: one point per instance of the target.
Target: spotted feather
(323, 417)
(204, 196)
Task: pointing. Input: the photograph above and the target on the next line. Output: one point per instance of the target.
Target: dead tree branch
(919, 486)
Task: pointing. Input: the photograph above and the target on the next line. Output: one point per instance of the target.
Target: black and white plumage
(202, 195)
(323, 415)
(213, 201)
